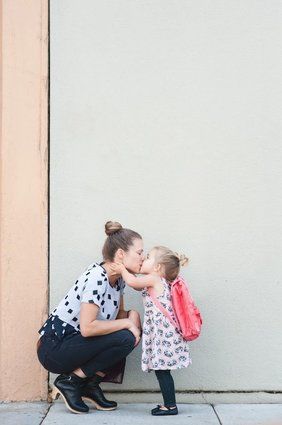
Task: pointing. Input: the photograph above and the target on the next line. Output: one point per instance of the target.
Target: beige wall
(24, 195)
(166, 115)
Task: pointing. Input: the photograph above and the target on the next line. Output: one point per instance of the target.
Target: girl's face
(133, 258)
(149, 263)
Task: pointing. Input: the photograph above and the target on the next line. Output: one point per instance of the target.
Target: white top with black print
(92, 287)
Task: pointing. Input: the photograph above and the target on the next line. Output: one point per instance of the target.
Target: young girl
(163, 348)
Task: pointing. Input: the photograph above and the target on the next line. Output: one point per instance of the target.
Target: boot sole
(98, 407)
(55, 395)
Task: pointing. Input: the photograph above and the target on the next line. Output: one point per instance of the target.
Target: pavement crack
(46, 413)
(215, 412)
(204, 398)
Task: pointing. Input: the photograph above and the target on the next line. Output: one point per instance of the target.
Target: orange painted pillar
(24, 196)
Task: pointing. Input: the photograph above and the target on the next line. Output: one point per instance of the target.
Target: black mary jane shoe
(93, 392)
(157, 411)
(70, 387)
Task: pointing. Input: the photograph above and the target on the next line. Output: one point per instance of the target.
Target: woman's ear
(119, 255)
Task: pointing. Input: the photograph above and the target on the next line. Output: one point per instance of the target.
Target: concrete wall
(166, 116)
(24, 195)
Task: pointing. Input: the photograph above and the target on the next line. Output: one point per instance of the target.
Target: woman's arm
(89, 326)
(122, 314)
(134, 316)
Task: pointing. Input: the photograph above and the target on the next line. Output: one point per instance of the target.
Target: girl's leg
(167, 387)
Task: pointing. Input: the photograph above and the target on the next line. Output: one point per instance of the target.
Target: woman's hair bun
(112, 227)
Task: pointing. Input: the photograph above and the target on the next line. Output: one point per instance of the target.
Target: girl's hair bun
(112, 227)
(183, 260)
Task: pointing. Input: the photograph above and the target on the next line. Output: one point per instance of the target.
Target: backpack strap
(160, 307)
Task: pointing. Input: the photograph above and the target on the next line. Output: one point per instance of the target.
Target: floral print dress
(162, 346)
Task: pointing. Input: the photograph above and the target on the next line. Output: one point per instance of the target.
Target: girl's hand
(117, 268)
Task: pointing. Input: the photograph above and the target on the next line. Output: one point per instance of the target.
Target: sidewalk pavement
(40, 413)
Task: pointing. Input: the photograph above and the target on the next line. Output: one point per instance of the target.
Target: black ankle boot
(92, 392)
(70, 388)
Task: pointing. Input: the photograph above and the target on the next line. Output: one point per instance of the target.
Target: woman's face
(134, 257)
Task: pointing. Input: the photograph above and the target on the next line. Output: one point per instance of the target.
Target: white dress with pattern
(162, 346)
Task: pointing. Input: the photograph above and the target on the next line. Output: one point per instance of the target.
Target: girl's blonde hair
(171, 261)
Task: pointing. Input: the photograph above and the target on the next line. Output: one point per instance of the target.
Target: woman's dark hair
(118, 237)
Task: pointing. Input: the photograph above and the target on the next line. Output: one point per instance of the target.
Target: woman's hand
(136, 332)
(134, 316)
(135, 319)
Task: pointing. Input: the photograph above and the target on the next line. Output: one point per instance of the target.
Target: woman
(89, 332)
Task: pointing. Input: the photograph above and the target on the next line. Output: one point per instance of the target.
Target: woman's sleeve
(94, 289)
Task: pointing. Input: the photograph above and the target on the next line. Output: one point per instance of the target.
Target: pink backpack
(188, 318)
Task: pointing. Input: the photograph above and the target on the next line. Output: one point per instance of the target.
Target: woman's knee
(127, 338)
(134, 313)
(134, 316)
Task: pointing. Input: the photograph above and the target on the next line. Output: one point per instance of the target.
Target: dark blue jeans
(91, 354)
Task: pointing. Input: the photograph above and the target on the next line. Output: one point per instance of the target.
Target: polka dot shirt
(92, 287)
